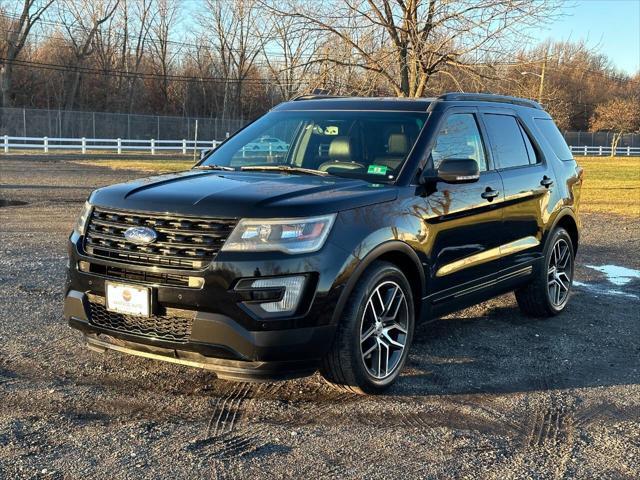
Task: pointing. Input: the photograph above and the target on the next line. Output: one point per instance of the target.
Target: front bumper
(216, 343)
(226, 335)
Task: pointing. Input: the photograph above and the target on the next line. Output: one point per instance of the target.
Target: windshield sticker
(377, 169)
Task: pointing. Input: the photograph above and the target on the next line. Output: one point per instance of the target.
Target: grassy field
(611, 185)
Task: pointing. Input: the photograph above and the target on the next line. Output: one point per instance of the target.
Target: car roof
(357, 103)
(327, 102)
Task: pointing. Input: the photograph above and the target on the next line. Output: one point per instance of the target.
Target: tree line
(238, 58)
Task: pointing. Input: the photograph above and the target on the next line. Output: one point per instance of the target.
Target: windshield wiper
(215, 167)
(285, 168)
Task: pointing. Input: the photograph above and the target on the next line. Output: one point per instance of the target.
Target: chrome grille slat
(221, 233)
(120, 239)
(183, 242)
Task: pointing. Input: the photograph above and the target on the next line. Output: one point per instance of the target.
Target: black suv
(317, 236)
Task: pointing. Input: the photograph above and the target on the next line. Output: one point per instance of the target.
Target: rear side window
(555, 138)
(507, 141)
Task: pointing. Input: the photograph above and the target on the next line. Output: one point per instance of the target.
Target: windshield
(372, 145)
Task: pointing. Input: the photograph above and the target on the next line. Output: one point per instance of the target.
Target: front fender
(358, 262)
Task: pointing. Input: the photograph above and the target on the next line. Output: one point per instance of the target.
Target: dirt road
(488, 392)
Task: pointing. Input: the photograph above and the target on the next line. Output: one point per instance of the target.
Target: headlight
(82, 219)
(289, 235)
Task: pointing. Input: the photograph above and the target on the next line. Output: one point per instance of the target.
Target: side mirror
(458, 170)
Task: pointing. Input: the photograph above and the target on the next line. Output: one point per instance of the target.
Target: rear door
(467, 223)
(528, 184)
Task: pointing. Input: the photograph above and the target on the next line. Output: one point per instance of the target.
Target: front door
(465, 221)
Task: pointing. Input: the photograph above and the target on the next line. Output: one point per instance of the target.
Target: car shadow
(495, 349)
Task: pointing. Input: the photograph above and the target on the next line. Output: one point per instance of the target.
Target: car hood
(242, 194)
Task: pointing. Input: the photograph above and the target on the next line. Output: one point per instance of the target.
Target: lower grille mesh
(175, 328)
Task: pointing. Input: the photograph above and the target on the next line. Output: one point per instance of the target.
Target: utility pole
(541, 89)
(195, 142)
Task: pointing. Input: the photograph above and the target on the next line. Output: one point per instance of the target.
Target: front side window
(371, 145)
(507, 141)
(459, 139)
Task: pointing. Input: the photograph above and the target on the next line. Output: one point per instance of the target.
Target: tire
(346, 366)
(546, 296)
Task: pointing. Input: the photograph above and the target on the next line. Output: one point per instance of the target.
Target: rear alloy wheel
(559, 273)
(548, 293)
(374, 335)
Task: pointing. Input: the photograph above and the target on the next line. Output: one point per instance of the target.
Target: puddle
(5, 202)
(601, 290)
(617, 275)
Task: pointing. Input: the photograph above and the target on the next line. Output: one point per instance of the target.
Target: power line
(144, 75)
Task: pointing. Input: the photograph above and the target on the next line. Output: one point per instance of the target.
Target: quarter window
(507, 141)
(459, 139)
(555, 138)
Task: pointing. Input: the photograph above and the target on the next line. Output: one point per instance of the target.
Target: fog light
(292, 287)
(196, 282)
(84, 266)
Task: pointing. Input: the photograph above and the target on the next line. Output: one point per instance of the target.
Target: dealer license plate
(128, 299)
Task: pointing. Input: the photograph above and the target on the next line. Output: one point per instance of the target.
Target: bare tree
(165, 50)
(82, 20)
(139, 22)
(17, 32)
(237, 40)
(619, 116)
(286, 50)
(424, 38)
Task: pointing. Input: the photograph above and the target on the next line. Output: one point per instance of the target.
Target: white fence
(120, 145)
(605, 151)
(184, 146)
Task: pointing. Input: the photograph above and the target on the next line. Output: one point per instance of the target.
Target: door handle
(490, 194)
(546, 182)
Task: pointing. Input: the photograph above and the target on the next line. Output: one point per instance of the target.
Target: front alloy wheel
(383, 334)
(374, 334)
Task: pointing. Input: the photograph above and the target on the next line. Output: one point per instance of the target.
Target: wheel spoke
(397, 293)
(396, 326)
(379, 295)
(391, 341)
(373, 309)
(367, 334)
(368, 352)
(566, 278)
(564, 287)
(564, 258)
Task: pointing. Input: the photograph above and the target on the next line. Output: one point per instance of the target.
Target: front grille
(183, 242)
(172, 279)
(175, 326)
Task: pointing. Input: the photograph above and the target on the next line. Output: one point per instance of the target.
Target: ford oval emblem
(140, 235)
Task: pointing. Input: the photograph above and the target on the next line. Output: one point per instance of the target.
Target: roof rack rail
(313, 96)
(489, 97)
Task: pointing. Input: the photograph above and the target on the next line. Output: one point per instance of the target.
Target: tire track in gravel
(605, 411)
(552, 430)
(227, 436)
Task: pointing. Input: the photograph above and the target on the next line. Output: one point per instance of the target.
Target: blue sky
(612, 26)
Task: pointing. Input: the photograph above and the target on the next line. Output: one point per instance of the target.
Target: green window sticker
(377, 169)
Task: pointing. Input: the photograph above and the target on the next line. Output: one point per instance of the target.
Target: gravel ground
(487, 392)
